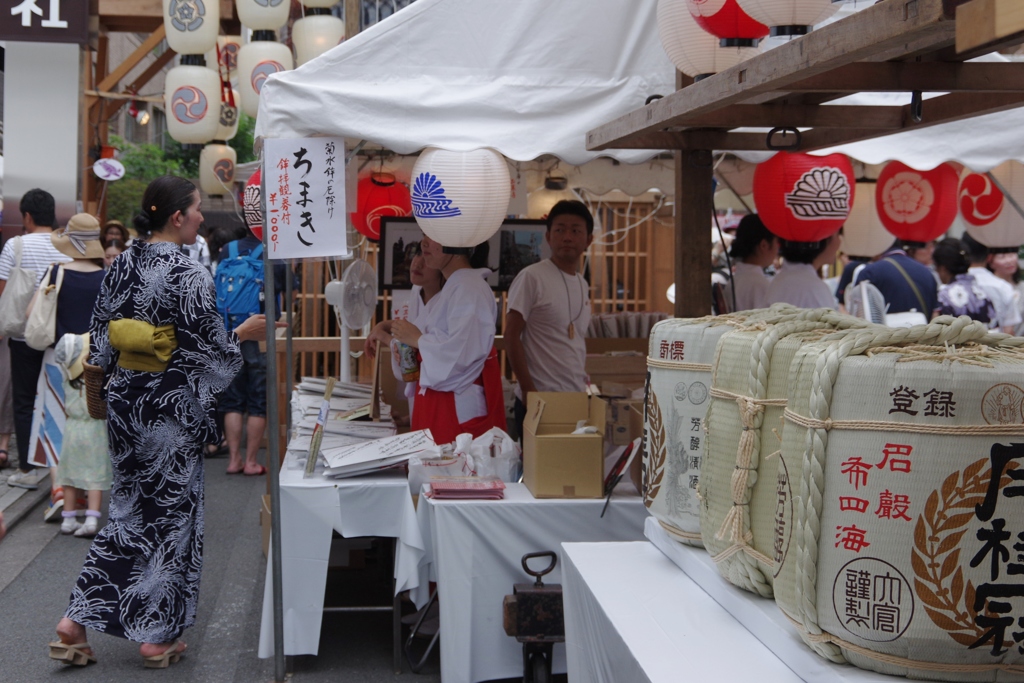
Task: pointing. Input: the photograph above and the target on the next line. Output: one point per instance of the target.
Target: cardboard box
(265, 523)
(556, 462)
(625, 420)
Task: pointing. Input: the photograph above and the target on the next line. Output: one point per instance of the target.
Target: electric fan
(355, 298)
(867, 302)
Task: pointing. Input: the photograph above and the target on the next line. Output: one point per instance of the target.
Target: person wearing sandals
(78, 282)
(84, 463)
(165, 355)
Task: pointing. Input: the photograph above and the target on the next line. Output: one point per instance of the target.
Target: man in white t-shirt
(549, 311)
(998, 290)
(38, 215)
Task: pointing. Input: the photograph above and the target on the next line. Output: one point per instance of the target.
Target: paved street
(38, 567)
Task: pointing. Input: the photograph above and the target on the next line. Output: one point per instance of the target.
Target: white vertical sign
(305, 198)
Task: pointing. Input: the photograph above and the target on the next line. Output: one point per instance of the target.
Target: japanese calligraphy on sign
(47, 21)
(305, 213)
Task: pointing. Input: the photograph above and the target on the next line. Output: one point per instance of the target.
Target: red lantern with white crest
(252, 205)
(378, 195)
(989, 213)
(726, 20)
(802, 198)
(916, 206)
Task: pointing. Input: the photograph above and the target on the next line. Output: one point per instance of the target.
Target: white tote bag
(41, 327)
(21, 285)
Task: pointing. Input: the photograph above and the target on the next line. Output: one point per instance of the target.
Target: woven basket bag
(738, 478)
(899, 453)
(678, 385)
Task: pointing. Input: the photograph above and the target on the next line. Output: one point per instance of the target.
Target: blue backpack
(239, 285)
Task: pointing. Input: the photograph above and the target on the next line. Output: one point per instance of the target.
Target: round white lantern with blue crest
(192, 101)
(315, 34)
(217, 169)
(257, 61)
(229, 111)
(192, 25)
(263, 14)
(460, 199)
(227, 47)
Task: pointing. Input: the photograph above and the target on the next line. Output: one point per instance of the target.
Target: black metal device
(533, 616)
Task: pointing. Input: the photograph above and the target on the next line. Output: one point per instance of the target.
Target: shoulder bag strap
(917, 292)
(233, 249)
(257, 253)
(17, 251)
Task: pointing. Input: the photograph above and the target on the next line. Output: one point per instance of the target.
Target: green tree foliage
(145, 162)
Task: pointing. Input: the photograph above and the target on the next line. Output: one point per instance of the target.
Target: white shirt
(549, 299)
(798, 284)
(200, 251)
(1001, 293)
(458, 334)
(751, 285)
(37, 253)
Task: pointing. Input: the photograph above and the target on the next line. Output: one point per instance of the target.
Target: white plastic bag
(427, 464)
(496, 454)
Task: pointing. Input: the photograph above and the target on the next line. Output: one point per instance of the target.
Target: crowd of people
(953, 276)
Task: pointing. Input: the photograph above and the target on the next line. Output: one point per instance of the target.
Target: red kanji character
(677, 350)
(853, 504)
(851, 538)
(272, 199)
(282, 164)
(896, 464)
(663, 349)
(892, 506)
(857, 470)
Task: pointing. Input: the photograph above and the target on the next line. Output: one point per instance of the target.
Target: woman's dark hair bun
(142, 224)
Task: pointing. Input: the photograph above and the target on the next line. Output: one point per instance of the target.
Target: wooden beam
(694, 205)
(799, 116)
(923, 76)
(886, 26)
(114, 106)
(144, 16)
(984, 22)
(111, 80)
(353, 21)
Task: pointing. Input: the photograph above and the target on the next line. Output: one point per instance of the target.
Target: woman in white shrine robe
(460, 381)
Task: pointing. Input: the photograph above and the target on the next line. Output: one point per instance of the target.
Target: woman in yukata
(165, 354)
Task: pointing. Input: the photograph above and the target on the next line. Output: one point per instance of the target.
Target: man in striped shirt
(38, 215)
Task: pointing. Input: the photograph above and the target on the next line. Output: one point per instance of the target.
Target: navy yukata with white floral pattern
(141, 577)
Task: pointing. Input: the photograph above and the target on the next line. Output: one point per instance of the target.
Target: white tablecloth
(374, 505)
(473, 550)
(632, 616)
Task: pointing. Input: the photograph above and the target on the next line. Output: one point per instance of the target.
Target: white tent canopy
(527, 78)
(531, 77)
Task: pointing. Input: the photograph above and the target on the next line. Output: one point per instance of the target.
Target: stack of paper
(464, 488)
(351, 461)
(346, 423)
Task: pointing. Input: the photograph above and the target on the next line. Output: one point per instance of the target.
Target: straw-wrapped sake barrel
(904, 462)
(744, 420)
(678, 385)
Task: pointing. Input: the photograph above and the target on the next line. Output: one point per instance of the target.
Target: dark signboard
(45, 21)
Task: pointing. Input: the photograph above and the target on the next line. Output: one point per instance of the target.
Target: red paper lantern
(989, 213)
(726, 20)
(803, 198)
(252, 205)
(379, 194)
(981, 201)
(916, 206)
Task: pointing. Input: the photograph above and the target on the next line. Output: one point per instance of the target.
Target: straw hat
(80, 239)
(70, 352)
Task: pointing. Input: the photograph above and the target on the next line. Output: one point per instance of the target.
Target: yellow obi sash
(142, 346)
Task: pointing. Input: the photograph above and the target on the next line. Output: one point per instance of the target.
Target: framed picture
(519, 243)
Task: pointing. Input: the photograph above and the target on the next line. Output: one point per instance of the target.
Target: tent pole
(694, 205)
(273, 455)
(289, 360)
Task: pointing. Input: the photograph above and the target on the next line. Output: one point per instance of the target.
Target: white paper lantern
(192, 25)
(693, 50)
(260, 15)
(315, 34)
(217, 169)
(256, 61)
(460, 199)
(192, 102)
(228, 127)
(988, 215)
(863, 233)
(789, 17)
(229, 47)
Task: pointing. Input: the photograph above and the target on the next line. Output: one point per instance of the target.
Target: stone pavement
(15, 502)
(38, 567)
